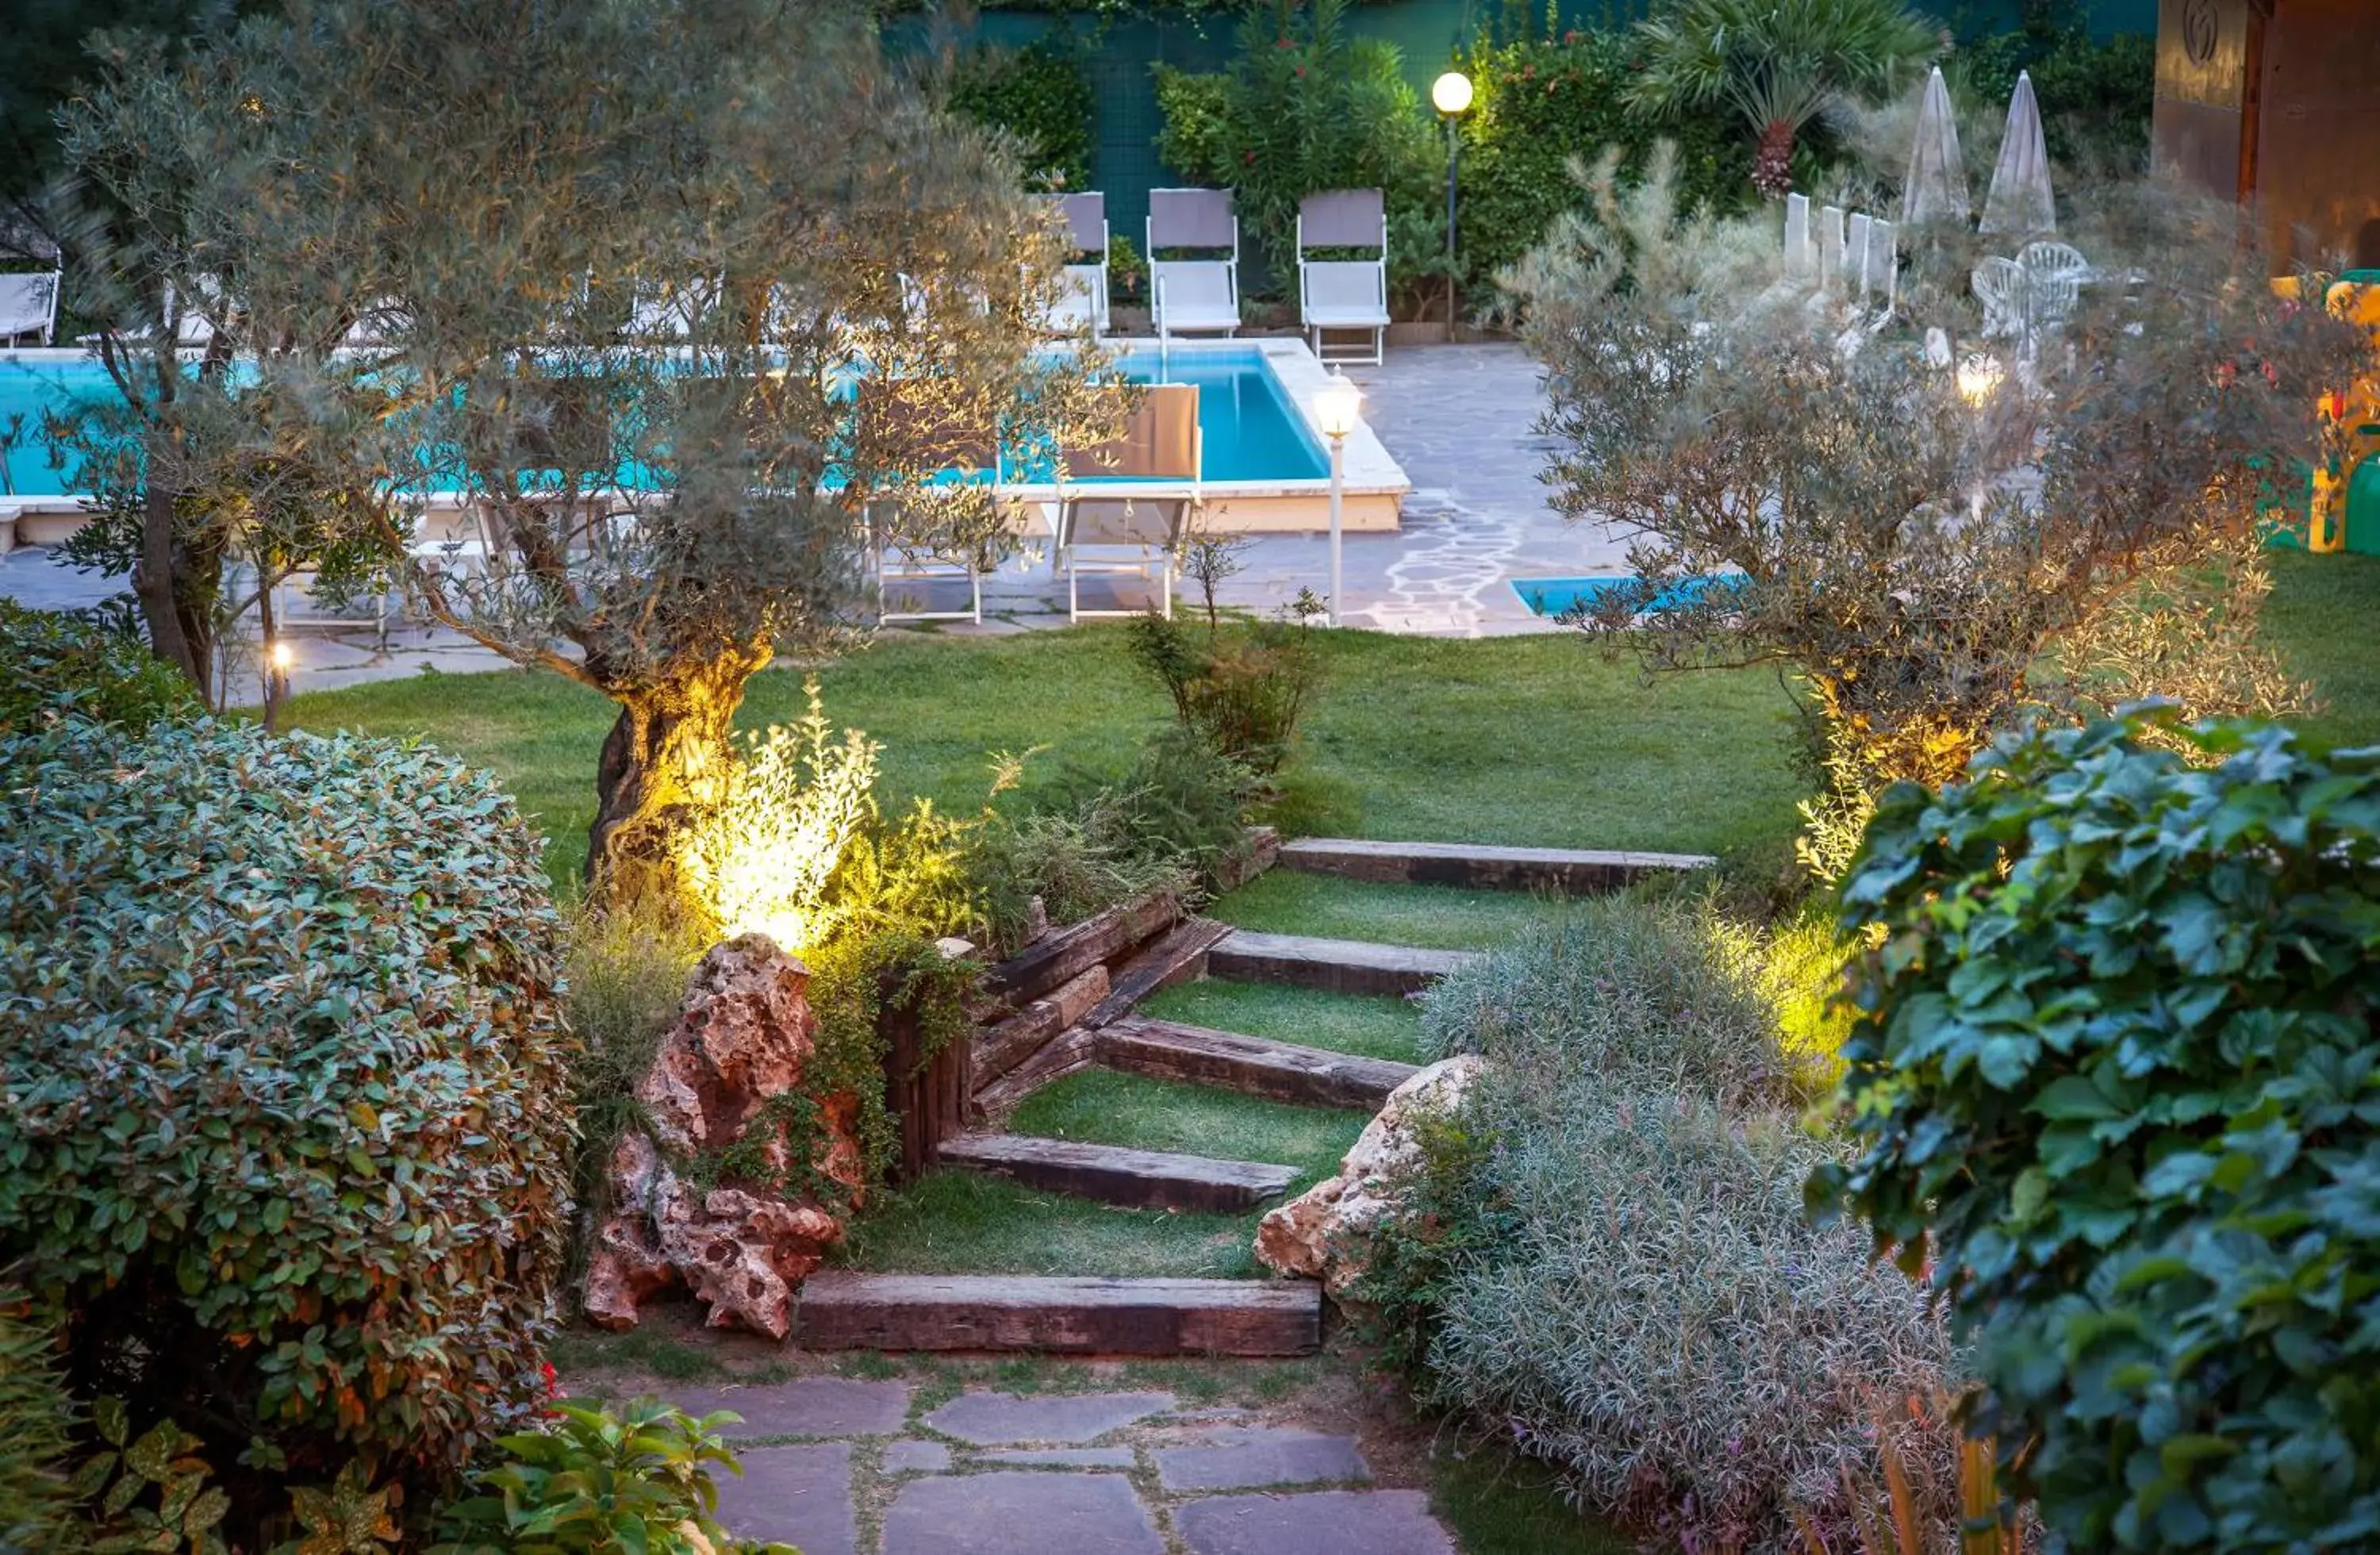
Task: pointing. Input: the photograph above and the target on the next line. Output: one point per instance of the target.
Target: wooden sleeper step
(1572, 871)
(843, 1309)
(1252, 1066)
(1336, 965)
(1137, 1179)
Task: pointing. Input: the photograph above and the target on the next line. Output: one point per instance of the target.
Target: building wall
(2318, 144)
(2278, 104)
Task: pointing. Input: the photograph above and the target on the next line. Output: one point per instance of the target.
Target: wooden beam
(1178, 957)
(1136, 1179)
(1069, 952)
(1571, 871)
(1252, 1066)
(1067, 1053)
(1337, 966)
(1001, 1047)
(844, 1311)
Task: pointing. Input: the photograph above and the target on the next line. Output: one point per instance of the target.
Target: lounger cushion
(1195, 294)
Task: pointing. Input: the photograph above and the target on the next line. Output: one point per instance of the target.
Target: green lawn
(1344, 1022)
(1524, 740)
(2321, 616)
(964, 1222)
(1103, 1107)
(1430, 917)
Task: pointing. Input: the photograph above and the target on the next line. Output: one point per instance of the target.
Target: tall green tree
(1778, 62)
(616, 271)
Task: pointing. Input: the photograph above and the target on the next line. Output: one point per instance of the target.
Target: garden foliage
(286, 1136)
(1041, 95)
(1540, 105)
(63, 666)
(1606, 1258)
(598, 1479)
(1306, 106)
(36, 1417)
(2114, 1075)
(2096, 98)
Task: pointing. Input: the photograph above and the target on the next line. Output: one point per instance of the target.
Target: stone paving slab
(1242, 1460)
(805, 1406)
(1065, 1457)
(1326, 1522)
(1019, 1512)
(797, 1495)
(916, 1457)
(1003, 1419)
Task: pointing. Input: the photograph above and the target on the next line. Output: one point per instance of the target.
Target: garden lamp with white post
(1451, 95)
(1337, 405)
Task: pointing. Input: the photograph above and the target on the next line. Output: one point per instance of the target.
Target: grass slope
(2321, 616)
(1525, 740)
(1429, 916)
(1342, 1023)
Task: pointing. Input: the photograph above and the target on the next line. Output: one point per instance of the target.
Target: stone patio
(839, 1466)
(1461, 419)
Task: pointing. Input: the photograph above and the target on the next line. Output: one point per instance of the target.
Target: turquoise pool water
(1248, 429)
(1560, 596)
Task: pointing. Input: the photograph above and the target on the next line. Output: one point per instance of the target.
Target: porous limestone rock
(741, 1243)
(1313, 1233)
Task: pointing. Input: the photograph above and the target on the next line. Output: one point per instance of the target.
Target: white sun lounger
(29, 305)
(1085, 306)
(1194, 295)
(1123, 508)
(1343, 295)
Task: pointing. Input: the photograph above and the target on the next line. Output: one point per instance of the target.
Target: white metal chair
(29, 305)
(1348, 295)
(907, 541)
(1125, 508)
(1085, 306)
(1194, 295)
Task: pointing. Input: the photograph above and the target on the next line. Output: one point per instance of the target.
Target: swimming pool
(1560, 596)
(1248, 427)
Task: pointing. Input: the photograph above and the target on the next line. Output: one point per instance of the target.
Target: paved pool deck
(1461, 419)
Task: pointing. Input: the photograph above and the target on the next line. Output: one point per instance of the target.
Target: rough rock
(744, 1036)
(1313, 1233)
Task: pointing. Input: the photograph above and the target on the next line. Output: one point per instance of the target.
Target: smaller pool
(1560, 596)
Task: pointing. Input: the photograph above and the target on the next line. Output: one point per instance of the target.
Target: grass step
(1571, 871)
(1253, 1065)
(1177, 956)
(1339, 965)
(843, 1310)
(1137, 1179)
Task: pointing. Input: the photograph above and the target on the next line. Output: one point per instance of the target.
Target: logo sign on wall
(2202, 28)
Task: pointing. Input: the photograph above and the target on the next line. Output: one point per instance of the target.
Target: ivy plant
(2116, 1077)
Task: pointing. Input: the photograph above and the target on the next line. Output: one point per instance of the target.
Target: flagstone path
(840, 1466)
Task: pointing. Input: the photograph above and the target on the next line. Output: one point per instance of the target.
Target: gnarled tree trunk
(660, 764)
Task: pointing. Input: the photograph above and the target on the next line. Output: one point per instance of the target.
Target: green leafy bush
(1539, 104)
(287, 1101)
(1604, 1259)
(2096, 98)
(1306, 106)
(67, 666)
(1041, 95)
(599, 1480)
(2115, 1073)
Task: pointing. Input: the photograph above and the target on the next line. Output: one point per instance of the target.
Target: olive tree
(655, 301)
(1927, 551)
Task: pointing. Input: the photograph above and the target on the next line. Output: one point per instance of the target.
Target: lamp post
(1337, 405)
(1451, 95)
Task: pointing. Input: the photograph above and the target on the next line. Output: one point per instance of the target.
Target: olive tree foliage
(1804, 489)
(614, 272)
(210, 463)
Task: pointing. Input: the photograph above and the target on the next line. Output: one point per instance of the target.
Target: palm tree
(1781, 63)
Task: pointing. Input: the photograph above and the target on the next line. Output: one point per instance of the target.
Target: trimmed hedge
(1041, 95)
(283, 1104)
(71, 666)
(2117, 1074)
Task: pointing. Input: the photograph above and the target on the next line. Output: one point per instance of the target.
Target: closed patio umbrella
(2019, 200)
(1935, 189)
